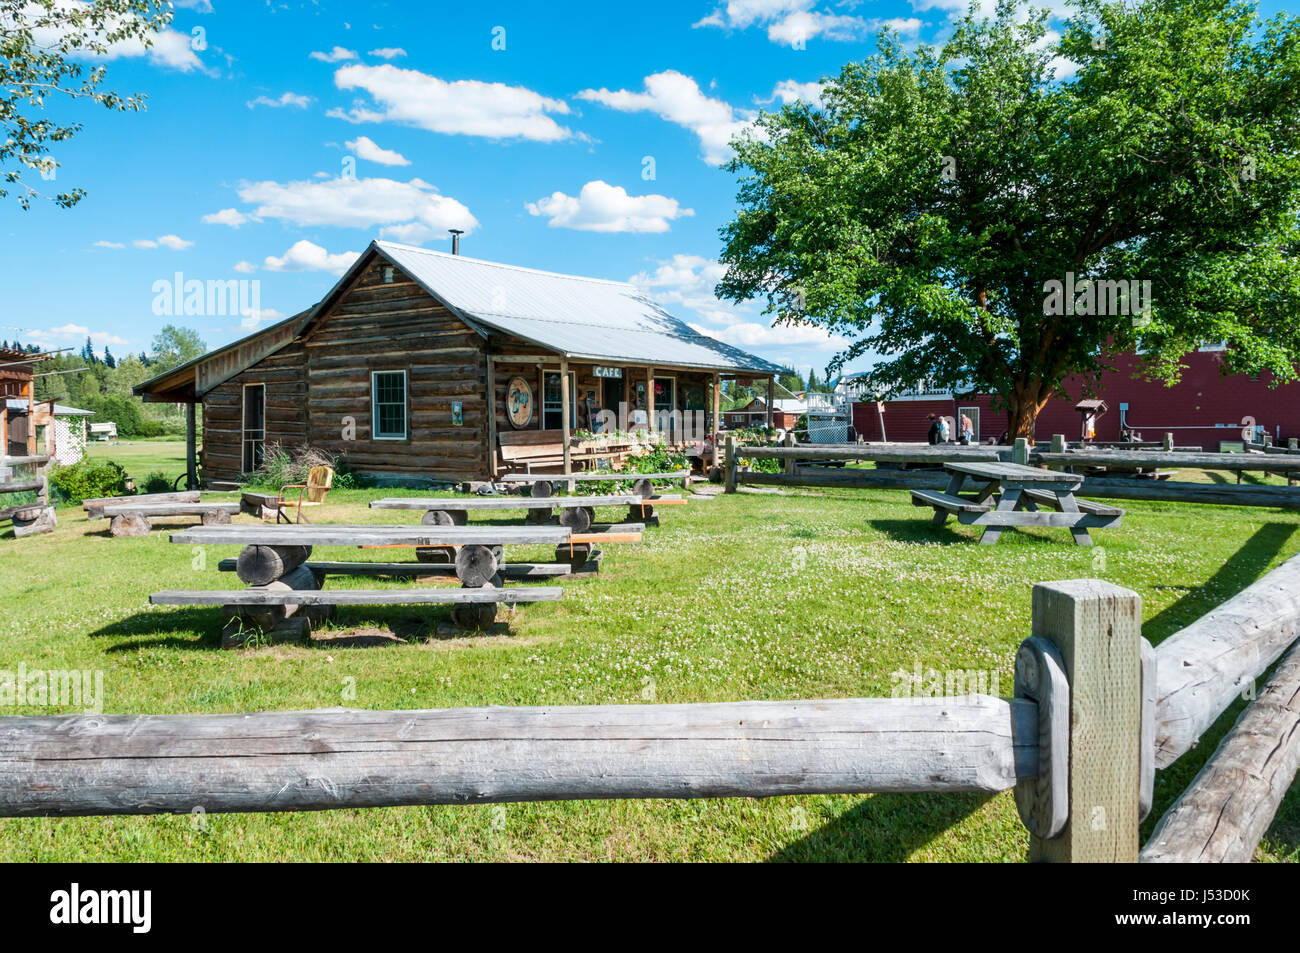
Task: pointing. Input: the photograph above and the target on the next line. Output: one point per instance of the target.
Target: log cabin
(422, 366)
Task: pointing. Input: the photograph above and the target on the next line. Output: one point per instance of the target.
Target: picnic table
(1020, 491)
(544, 484)
(283, 588)
(576, 512)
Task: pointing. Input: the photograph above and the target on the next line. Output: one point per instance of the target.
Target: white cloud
(749, 334)
(461, 107)
(790, 91)
(357, 203)
(103, 244)
(336, 55)
(601, 207)
(227, 216)
(245, 267)
(388, 52)
(307, 256)
(788, 22)
(412, 233)
(366, 148)
(678, 99)
(285, 99)
(198, 6)
(64, 333)
(174, 242)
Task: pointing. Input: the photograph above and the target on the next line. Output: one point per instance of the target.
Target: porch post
(717, 413)
(650, 399)
(771, 393)
(565, 399)
(191, 462)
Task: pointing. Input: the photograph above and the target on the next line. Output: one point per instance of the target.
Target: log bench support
(33, 520)
(266, 608)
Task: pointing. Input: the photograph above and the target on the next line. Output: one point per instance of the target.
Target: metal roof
(60, 410)
(584, 318)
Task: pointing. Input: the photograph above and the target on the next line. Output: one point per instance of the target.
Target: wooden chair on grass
(311, 493)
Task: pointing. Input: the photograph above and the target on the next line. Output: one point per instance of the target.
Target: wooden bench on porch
(535, 450)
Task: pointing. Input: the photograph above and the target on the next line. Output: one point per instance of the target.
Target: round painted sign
(519, 402)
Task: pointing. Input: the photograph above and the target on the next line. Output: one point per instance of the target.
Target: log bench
(133, 519)
(34, 519)
(93, 507)
(948, 504)
(545, 484)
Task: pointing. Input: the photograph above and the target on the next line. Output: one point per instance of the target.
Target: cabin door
(254, 441)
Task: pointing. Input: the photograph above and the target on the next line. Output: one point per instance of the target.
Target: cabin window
(388, 395)
(254, 439)
(388, 274)
(553, 404)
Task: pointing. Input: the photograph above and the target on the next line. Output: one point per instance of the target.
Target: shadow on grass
(885, 828)
(920, 530)
(1238, 571)
(159, 630)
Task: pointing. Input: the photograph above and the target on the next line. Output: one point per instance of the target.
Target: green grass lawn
(139, 458)
(801, 594)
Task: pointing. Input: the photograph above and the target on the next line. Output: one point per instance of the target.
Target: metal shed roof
(579, 317)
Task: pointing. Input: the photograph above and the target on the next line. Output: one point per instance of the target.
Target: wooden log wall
(379, 325)
(286, 417)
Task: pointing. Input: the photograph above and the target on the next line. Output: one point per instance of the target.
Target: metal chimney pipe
(455, 239)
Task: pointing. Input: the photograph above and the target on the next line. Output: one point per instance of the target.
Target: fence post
(730, 465)
(1020, 451)
(1058, 443)
(1096, 627)
(790, 441)
(1169, 443)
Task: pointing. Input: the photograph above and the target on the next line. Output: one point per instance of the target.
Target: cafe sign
(608, 371)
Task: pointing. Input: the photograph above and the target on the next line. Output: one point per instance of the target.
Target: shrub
(157, 482)
(280, 467)
(87, 479)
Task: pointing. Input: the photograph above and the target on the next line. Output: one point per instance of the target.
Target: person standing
(945, 431)
(935, 430)
(967, 430)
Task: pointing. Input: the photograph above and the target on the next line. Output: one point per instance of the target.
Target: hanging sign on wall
(519, 403)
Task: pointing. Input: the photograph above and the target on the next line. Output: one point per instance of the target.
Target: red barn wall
(1190, 410)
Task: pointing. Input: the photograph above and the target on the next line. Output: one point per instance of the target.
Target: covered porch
(563, 415)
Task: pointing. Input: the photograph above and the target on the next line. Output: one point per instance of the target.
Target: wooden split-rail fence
(803, 465)
(1096, 711)
(28, 519)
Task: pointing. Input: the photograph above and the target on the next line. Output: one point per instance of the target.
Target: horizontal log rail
(1205, 667)
(1228, 808)
(304, 761)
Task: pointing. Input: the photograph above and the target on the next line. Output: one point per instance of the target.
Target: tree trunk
(1023, 405)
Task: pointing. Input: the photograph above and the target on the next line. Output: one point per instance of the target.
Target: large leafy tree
(932, 206)
(173, 346)
(43, 48)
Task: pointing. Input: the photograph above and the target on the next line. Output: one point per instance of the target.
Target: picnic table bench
(1020, 491)
(576, 512)
(544, 484)
(273, 564)
(133, 519)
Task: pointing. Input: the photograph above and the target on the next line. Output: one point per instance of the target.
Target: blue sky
(280, 138)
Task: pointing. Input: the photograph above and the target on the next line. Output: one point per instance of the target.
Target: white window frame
(558, 407)
(374, 405)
